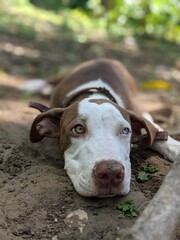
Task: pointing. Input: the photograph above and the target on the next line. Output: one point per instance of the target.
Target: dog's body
(94, 115)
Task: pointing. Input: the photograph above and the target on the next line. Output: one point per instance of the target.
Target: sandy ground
(36, 194)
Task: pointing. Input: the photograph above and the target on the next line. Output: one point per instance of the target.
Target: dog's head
(95, 138)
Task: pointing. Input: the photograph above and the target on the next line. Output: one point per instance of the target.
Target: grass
(27, 20)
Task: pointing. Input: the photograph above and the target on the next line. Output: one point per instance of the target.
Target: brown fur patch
(100, 101)
(124, 113)
(69, 117)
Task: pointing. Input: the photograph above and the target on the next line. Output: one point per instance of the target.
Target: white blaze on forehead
(103, 122)
(101, 114)
(98, 83)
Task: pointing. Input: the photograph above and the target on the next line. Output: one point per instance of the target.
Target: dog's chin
(112, 191)
(101, 193)
(106, 194)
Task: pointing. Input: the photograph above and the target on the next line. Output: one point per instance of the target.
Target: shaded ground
(36, 194)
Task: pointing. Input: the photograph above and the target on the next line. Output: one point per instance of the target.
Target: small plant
(127, 208)
(149, 168)
(143, 175)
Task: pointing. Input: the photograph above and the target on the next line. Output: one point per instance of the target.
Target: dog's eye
(125, 130)
(78, 129)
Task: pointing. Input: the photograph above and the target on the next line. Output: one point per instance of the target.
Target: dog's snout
(108, 173)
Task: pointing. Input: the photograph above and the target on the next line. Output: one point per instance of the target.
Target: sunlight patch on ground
(19, 50)
(130, 44)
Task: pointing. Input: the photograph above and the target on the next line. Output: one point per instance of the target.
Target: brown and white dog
(95, 118)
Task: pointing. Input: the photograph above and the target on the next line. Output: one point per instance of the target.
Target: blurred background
(51, 34)
(41, 38)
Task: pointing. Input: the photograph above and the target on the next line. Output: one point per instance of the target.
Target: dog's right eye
(125, 131)
(78, 129)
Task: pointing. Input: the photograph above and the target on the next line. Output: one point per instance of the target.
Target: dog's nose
(108, 173)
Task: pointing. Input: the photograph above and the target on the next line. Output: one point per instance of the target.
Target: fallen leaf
(156, 85)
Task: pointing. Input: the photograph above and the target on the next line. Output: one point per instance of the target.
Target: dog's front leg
(170, 149)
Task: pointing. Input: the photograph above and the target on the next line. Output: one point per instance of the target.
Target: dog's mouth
(110, 192)
(100, 192)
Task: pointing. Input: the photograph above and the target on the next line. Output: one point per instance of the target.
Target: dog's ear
(46, 124)
(142, 130)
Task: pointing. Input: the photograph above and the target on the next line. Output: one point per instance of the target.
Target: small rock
(68, 200)
(7, 146)
(55, 237)
(11, 189)
(34, 181)
(77, 219)
(27, 230)
(1, 151)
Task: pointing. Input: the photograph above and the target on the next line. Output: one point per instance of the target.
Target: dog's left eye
(125, 130)
(78, 129)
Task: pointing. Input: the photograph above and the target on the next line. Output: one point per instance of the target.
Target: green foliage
(149, 168)
(127, 208)
(18, 2)
(158, 19)
(28, 21)
(143, 175)
(57, 5)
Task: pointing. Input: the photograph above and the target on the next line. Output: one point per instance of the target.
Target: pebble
(11, 189)
(77, 219)
(55, 237)
(27, 230)
(7, 146)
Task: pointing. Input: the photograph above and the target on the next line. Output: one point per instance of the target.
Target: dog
(96, 120)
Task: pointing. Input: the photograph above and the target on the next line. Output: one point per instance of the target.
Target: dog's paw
(170, 149)
(173, 152)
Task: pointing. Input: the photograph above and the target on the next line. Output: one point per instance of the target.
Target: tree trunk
(161, 216)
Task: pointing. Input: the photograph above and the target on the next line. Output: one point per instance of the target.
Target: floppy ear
(144, 131)
(45, 124)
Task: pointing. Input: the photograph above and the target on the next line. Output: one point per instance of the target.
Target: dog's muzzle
(108, 176)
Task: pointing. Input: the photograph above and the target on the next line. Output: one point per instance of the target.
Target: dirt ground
(36, 194)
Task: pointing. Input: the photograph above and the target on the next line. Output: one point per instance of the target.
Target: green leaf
(144, 166)
(127, 208)
(149, 168)
(134, 214)
(152, 169)
(143, 176)
(130, 202)
(121, 205)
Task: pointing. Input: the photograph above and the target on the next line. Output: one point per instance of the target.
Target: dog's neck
(86, 93)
